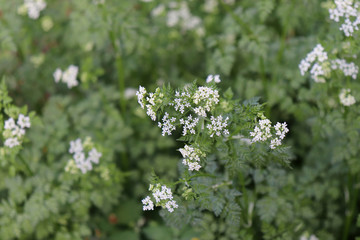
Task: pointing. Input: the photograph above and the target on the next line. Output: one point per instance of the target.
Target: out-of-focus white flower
(68, 76)
(34, 7)
(23, 121)
(11, 142)
(15, 132)
(348, 12)
(80, 160)
(346, 98)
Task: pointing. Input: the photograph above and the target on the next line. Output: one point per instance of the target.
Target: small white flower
(218, 126)
(94, 156)
(57, 75)
(34, 7)
(148, 204)
(189, 125)
(141, 94)
(11, 142)
(346, 98)
(191, 157)
(263, 133)
(215, 78)
(76, 146)
(207, 98)
(9, 124)
(167, 126)
(18, 132)
(69, 76)
(23, 121)
(281, 129)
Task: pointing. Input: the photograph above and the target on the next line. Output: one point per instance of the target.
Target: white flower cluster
(349, 69)
(166, 125)
(68, 76)
(263, 133)
(189, 124)
(14, 132)
(182, 101)
(200, 102)
(281, 129)
(180, 15)
(163, 197)
(346, 98)
(317, 70)
(348, 12)
(207, 98)
(215, 78)
(218, 125)
(141, 95)
(191, 157)
(32, 8)
(81, 162)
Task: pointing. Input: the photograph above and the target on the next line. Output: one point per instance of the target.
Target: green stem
(353, 201)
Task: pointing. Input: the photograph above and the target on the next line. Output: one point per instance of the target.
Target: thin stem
(353, 200)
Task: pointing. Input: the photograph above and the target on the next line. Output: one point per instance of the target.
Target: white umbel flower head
(34, 7)
(81, 162)
(141, 95)
(347, 12)
(76, 146)
(23, 121)
(218, 126)
(11, 142)
(163, 197)
(57, 75)
(94, 156)
(346, 98)
(148, 204)
(10, 124)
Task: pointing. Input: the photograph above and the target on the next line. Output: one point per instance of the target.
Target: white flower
(348, 11)
(34, 7)
(18, 132)
(141, 94)
(94, 156)
(317, 54)
(274, 143)
(148, 204)
(346, 98)
(191, 157)
(69, 76)
(11, 142)
(9, 124)
(23, 121)
(167, 126)
(207, 98)
(57, 75)
(281, 129)
(349, 69)
(163, 197)
(170, 205)
(215, 78)
(181, 101)
(218, 126)
(150, 112)
(189, 125)
(76, 146)
(263, 133)
(79, 157)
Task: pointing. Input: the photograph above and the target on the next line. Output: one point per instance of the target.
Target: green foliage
(243, 190)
